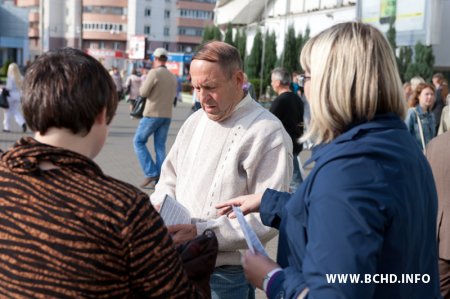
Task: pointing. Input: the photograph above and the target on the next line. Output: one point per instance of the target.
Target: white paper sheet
(173, 212)
(253, 242)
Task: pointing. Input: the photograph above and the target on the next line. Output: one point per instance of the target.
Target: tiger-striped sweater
(73, 232)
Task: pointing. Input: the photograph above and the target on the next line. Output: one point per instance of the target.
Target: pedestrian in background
(420, 120)
(369, 204)
(160, 88)
(13, 85)
(115, 74)
(439, 98)
(249, 88)
(288, 107)
(67, 229)
(132, 86)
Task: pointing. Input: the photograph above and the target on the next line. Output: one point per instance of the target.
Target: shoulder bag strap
(421, 131)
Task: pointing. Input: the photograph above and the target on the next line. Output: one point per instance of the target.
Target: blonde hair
(416, 81)
(13, 70)
(353, 77)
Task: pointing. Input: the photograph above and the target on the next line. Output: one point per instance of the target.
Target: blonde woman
(368, 206)
(13, 85)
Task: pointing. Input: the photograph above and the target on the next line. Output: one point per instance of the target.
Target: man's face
(218, 94)
(274, 83)
(436, 81)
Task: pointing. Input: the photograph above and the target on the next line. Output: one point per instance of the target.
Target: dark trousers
(444, 277)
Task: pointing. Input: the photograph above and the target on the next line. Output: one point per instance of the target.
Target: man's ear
(101, 117)
(239, 77)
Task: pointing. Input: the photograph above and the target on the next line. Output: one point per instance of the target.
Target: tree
(391, 34)
(240, 42)
(207, 34)
(270, 57)
(423, 63)
(217, 35)
(254, 60)
(229, 35)
(404, 59)
(306, 35)
(290, 59)
(211, 33)
(299, 46)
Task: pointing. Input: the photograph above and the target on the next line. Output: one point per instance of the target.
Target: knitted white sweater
(211, 162)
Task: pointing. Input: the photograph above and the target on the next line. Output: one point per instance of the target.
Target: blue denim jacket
(428, 120)
(368, 207)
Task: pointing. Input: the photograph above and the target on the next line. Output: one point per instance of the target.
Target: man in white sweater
(230, 147)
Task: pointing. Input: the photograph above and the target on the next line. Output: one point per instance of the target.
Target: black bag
(199, 259)
(138, 108)
(4, 99)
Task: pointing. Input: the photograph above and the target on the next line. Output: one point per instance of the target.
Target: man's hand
(182, 232)
(256, 267)
(248, 203)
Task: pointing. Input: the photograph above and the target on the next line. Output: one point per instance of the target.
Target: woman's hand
(256, 267)
(182, 232)
(247, 203)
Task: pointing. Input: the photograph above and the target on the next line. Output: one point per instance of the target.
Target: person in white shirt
(13, 84)
(230, 147)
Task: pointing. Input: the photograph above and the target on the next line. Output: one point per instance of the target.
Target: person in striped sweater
(67, 230)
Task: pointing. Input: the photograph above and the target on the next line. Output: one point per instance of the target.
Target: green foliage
(217, 35)
(423, 63)
(254, 60)
(391, 34)
(290, 60)
(240, 42)
(4, 68)
(211, 33)
(270, 57)
(307, 34)
(207, 34)
(256, 84)
(404, 59)
(229, 35)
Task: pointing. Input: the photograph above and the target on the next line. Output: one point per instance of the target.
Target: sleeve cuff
(201, 227)
(275, 286)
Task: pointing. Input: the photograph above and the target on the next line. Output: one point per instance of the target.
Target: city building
(115, 30)
(278, 15)
(52, 24)
(13, 33)
(416, 20)
(105, 27)
(176, 25)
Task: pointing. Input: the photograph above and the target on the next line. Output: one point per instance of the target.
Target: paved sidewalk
(117, 158)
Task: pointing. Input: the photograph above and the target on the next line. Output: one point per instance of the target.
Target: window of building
(166, 46)
(205, 1)
(166, 31)
(148, 12)
(147, 29)
(167, 14)
(112, 10)
(101, 44)
(190, 31)
(196, 14)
